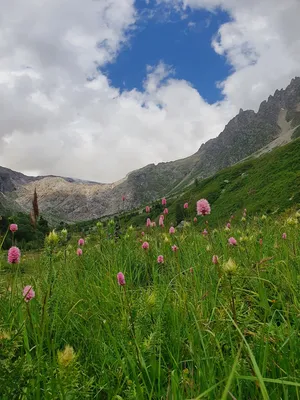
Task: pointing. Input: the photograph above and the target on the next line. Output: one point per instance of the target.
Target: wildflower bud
(14, 255)
(64, 235)
(13, 227)
(215, 259)
(66, 357)
(230, 267)
(160, 259)
(52, 239)
(28, 293)
(172, 230)
(292, 221)
(121, 279)
(151, 299)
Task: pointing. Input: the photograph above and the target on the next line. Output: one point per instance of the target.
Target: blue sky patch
(179, 39)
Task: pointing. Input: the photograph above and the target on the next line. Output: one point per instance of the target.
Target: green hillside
(269, 184)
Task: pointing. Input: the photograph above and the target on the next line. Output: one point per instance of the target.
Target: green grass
(185, 329)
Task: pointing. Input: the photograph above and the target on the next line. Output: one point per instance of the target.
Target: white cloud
(54, 121)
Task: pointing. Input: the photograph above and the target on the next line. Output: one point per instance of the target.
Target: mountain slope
(269, 184)
(247, 134)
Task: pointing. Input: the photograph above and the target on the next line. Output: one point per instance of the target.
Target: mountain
(249, 133)
(269, 184)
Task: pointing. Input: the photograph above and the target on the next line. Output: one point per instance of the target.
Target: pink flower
(13, 227)
(160, 259)
(161, 221)
(148, 209)
(215, 259)
(195, 219)
(204, 233)
(186, 205)
(175, 248)
(228, 225)
(166, 211)
(79, 252)
(14, 255)
(153, 224)
(80, 242)
(121, 279)
(164, 201)
(232, 241)
(284, 235)
(28, 293)
(145, 245)
(203, 207)
(172, 230)
(143, 233)
(148, 223)
(123, 198)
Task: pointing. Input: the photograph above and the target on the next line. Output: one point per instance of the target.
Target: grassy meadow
(190, 327)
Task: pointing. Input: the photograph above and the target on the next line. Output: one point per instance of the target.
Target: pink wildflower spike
(186, 205)
(166, 211)
(148, 209)
(121, 279)
(160, 259)
(123, 198)
(203, 207)
(28, 293)
(148, 223)
(143, 233)
(164, 201)
(228, 225)
(13, 227)
(195, 219)
(145, 245)
(284, 235)
(161, 221)
(205, 233)
(172, 230)
(215, 259)
(232, 241)
(14, 255)
(81, 242)
(175, 248)
(79, 252)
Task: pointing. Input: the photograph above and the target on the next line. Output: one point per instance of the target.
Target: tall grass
(171, 332)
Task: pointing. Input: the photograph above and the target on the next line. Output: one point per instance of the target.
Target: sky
(96, 89)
